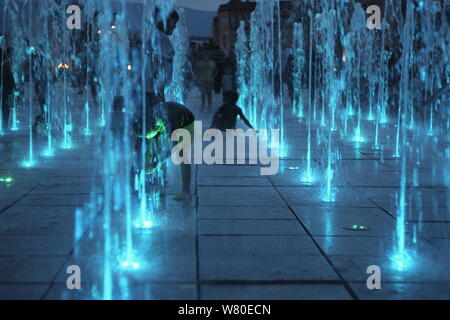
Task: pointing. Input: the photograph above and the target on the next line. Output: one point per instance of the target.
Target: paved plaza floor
(244, 236)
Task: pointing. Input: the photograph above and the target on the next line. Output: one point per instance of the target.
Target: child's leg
(186, 172)
(210, 98)
(186, 175)
(203, 94)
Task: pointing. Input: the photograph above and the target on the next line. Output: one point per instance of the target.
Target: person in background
(8, 86)
(40, 81)
(228, 82)
(93, 53)
(218, 56)
(118, 117)
(231, 60)
(289, 76)
(226, 116)
(206, 72)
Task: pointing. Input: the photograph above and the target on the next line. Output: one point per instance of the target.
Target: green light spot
(151, 134)
(160, 128)
(357, 227)
(6, 180)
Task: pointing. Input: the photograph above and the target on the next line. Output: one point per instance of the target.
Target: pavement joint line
(243, 219)
(269, 282)
(93, 282)
(61, 194)
(296, 235)
(429, 221)
(197, 245)
(34, 256)
(256, 235)
(243, 206)
(346, 285)
(382, 209)
(21, 198)
(243, 235)
(438, 187)
(231, 185)
(239, 206)
(306, 205)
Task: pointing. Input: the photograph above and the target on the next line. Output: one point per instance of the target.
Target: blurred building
(231, 14)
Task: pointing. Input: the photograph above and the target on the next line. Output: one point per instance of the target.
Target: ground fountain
(357, 93)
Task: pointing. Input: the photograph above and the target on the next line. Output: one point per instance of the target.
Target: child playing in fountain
(163, 119)
(225, 118)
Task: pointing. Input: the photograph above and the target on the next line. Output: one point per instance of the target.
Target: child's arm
(241, 114)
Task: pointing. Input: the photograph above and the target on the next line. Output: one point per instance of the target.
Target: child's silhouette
(225, 118)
